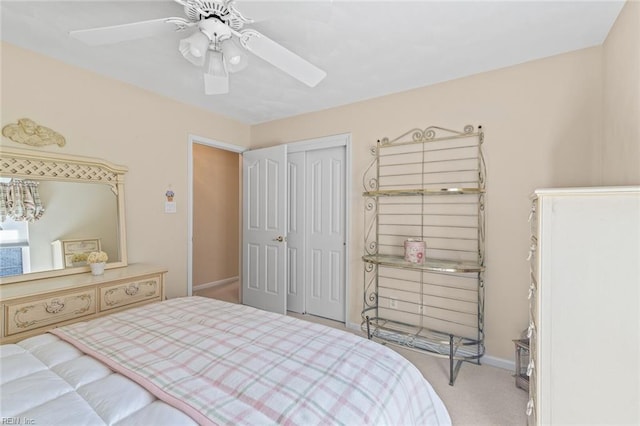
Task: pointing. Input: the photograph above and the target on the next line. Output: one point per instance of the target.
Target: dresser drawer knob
(532, 290)
(55, 306)
(132, 290)
(529, 407)
(532, 248)
(530, 368)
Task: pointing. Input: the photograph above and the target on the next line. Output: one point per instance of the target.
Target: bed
(195, 360)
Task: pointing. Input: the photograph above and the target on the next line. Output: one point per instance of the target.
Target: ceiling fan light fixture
(218, 44)
(194, 48)
(214, 29)
(216, 79)
(235, 58)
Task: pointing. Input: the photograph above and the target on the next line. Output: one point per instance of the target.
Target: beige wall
(216, 214)
(542, 122)
(620, 148)
(147, 133)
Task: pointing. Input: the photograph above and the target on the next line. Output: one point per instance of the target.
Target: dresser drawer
(20, 317)
(126, 293)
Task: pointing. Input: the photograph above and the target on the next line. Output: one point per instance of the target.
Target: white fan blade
(124, 32)
(282, 58)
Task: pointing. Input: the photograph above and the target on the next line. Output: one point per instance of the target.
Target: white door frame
(195, 139)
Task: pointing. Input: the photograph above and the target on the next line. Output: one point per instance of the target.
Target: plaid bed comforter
(223, 363)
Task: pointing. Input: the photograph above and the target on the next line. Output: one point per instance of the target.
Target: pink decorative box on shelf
(414, 250)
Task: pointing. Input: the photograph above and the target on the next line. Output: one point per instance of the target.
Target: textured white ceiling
(368, 48)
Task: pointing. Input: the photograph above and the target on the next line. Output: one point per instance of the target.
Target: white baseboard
(215, 283)
(493, 361)
(353, 326)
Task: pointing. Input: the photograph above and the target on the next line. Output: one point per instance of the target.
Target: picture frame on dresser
(65, 250)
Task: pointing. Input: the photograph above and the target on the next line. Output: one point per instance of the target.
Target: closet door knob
(279, 239)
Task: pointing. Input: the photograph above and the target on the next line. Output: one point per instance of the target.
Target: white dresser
(33, 307)
(585, 306)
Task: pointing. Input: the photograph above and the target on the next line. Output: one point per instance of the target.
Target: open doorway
(215, 197)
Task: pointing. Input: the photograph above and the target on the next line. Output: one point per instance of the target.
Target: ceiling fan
(218, 44)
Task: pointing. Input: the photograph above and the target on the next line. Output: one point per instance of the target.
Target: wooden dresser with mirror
(83, 200)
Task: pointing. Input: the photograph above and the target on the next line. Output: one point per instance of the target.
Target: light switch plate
(170, 207)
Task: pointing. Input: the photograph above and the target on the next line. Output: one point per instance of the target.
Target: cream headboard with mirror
(83, 200)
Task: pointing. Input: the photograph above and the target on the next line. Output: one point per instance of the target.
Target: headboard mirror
(83, 211)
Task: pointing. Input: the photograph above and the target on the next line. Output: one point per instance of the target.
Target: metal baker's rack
(427, 185)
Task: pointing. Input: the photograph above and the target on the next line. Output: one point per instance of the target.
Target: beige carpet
(482, 395)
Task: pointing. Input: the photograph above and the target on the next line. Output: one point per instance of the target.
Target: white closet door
(325, 248)
(296, 232)
(264, 220)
